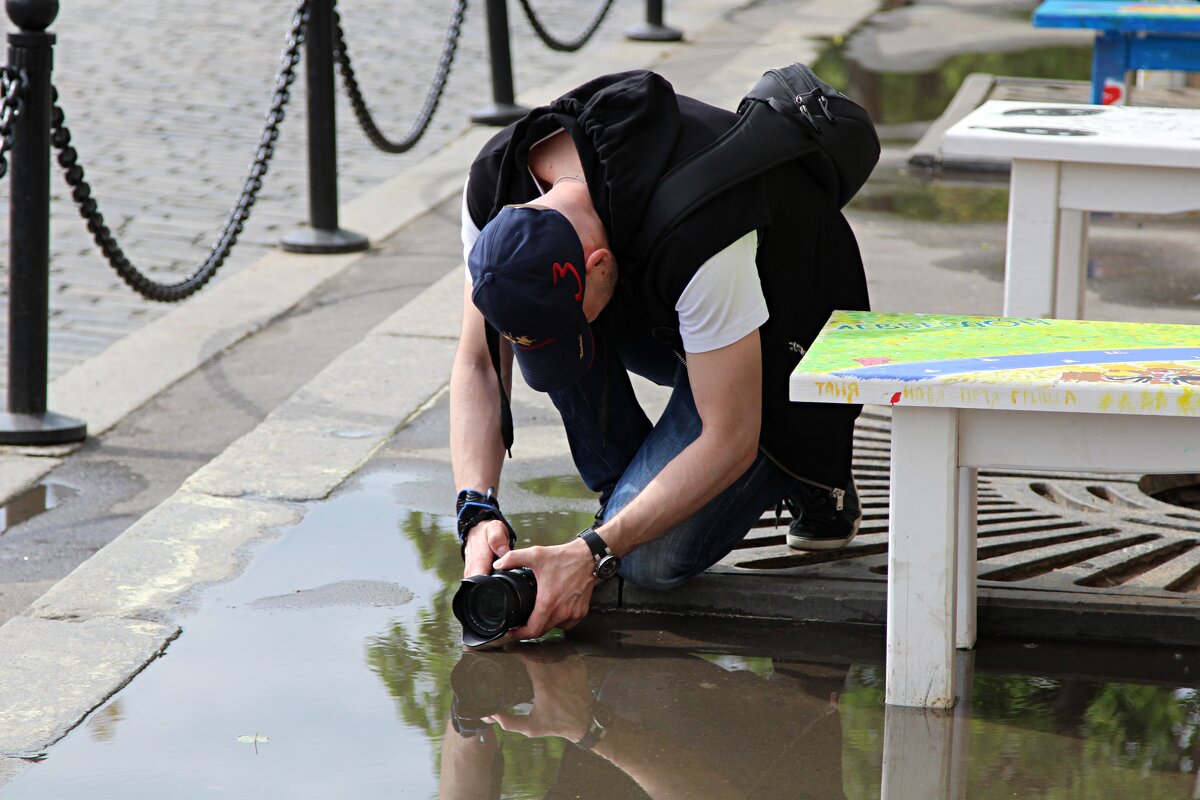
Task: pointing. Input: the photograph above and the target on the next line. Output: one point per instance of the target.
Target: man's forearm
(476, 447)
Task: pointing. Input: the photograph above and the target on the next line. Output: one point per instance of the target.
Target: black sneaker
(822, 519)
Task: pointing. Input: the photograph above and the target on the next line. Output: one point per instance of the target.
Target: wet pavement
(332, 668)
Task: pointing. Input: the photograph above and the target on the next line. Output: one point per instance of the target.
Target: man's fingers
(498, 538)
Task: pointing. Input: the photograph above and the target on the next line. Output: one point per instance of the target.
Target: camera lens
(489, 605)
(486, 606)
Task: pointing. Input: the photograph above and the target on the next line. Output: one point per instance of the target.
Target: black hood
(624, 125)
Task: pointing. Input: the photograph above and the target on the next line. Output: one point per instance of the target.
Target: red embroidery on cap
(561, 270)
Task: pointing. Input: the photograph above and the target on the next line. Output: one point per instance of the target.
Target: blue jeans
(619, 459)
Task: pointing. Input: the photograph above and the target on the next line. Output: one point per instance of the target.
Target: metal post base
(646, 32)
(499, 114)
(45, 428)
(316, 241)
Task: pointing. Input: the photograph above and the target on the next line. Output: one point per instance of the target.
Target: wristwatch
(607, 564)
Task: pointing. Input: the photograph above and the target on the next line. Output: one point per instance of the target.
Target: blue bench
(1148, 35)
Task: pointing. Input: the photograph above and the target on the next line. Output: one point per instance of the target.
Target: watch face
(607, 567)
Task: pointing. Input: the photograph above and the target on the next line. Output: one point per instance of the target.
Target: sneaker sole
(801, 543)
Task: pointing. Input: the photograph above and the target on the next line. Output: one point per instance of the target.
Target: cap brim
(559, 364)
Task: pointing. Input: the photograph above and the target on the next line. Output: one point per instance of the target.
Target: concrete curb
(117, 611)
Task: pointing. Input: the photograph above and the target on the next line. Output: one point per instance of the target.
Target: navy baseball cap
(528, 276)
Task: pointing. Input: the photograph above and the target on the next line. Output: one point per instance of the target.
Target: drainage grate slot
(1058, 526)
(1017, 517)
(1188, 584)
(1107, 494)
(1041, 566)
(1005, 548)
(812, 559)
(1122, 573)
(1160, 524)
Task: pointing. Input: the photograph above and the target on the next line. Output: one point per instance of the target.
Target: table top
(1148, 17)
(951, 361)
(1073, 132)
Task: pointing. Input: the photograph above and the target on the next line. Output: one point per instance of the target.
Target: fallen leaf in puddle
(255, 739)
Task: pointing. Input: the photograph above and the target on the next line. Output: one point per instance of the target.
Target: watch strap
(595, 543)
(474, 507)
(595, 732)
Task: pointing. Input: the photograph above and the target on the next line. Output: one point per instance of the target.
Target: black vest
(629, 130)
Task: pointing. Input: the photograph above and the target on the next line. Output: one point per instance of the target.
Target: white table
(971, 392)
(1068, 160)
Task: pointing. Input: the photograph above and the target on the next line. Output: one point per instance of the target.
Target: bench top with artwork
(948, 361)
(1147, 17)
(1128, 135)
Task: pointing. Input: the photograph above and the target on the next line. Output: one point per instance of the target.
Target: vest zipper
(838, 495)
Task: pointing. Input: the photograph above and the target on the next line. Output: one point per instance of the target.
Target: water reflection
(640, 723)
(894, 98)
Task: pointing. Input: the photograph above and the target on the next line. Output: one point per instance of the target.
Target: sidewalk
(99, 626)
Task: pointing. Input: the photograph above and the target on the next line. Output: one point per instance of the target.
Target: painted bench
(1148, 35)
(1067, 161)
(1000, 392)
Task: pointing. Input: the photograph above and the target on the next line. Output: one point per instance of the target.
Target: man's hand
(564, 585)
(486, 542)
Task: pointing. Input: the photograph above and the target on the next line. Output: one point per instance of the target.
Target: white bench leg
(922, 557)
(1072, 264)
(1033, 227)
(964, 626)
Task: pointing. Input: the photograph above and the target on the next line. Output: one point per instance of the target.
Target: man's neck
(554, 157)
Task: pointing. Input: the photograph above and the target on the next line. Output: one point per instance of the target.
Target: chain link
(432, 97)
(81, 191)
(571, 45)
(11, 89)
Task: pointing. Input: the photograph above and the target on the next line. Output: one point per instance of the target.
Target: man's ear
(601, 258)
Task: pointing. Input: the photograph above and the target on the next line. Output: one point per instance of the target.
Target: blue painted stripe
(1081, 359)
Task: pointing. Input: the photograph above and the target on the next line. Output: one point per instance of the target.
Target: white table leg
(917, 749)
(964, 626)
(1033, 227)
(1072, 264)
(922, 557)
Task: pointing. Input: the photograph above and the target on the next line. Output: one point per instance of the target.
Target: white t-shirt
(721, 304)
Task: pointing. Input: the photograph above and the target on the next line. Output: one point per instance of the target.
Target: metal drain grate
(1066, 532)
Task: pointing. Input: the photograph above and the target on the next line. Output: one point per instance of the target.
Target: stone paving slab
(165, 103)
(47, 692)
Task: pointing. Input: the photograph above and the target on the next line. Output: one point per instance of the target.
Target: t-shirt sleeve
(724, 300)
(469, 232)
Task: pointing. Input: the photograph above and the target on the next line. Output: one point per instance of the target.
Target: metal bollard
(31, 52)
(323, 236)
(653, 29)
(504, 108)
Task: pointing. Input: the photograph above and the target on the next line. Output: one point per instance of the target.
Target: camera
(488, 606)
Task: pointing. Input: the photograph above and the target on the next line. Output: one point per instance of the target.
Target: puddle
(332, 668)
(31, 502)
(549, 527)
(899, 192)
(898, 98)
(569, 486)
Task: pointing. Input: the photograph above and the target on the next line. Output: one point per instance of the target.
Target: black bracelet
(474, 507)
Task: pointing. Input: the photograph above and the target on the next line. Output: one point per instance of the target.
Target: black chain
(11, 87)
(432, 97)
(565, 46)
(68, 159)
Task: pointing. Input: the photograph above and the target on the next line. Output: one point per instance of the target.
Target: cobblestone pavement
(166, 102)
